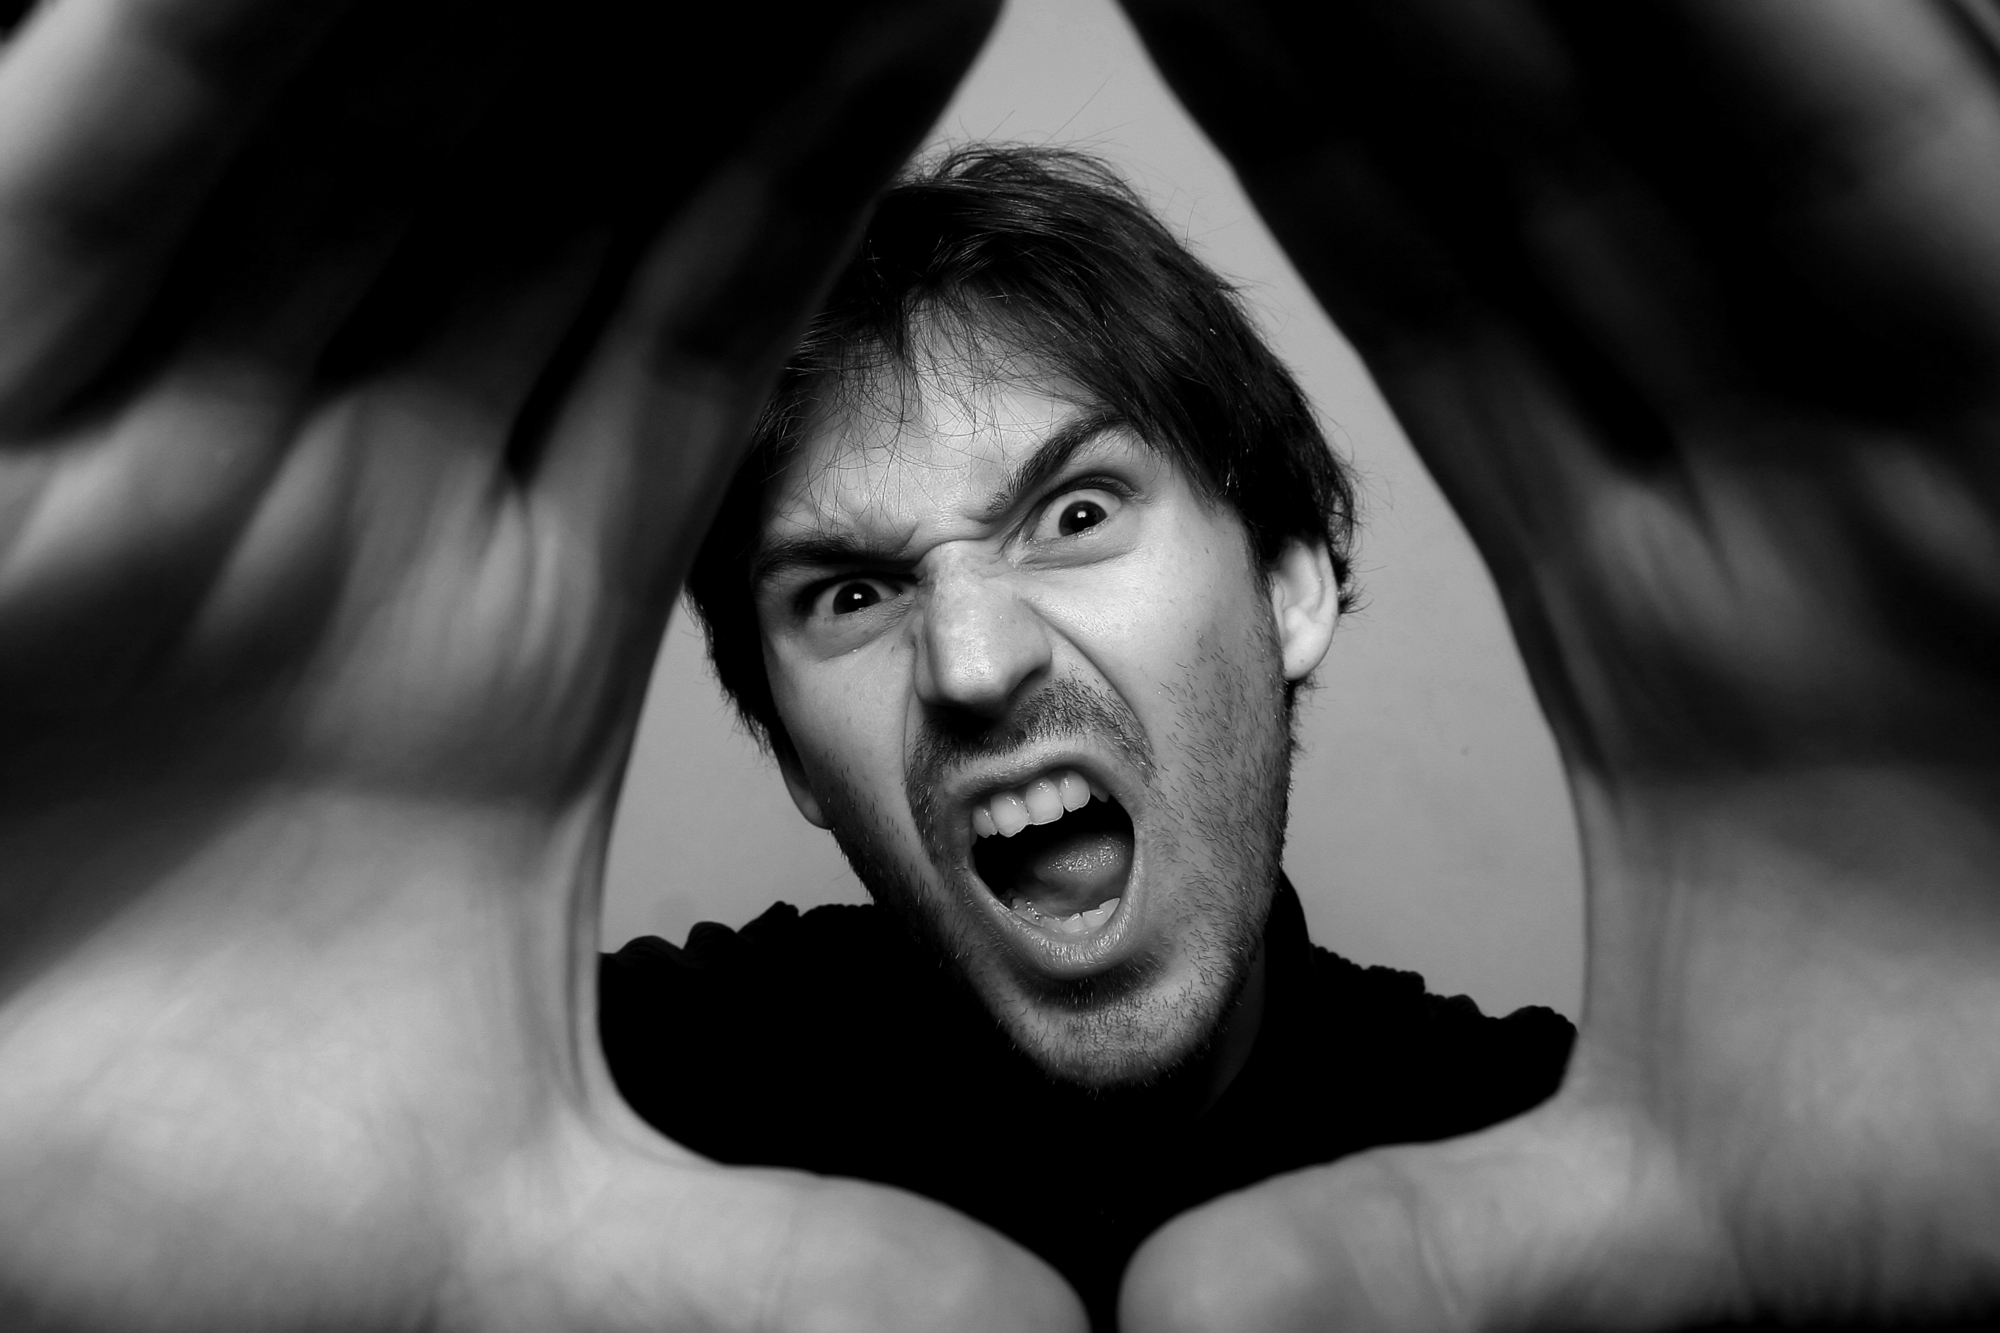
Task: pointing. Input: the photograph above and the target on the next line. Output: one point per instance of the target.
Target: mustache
(1063, 709)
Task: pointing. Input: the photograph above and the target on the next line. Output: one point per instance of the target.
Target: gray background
(1430, 829)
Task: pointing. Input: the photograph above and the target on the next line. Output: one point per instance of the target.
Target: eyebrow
(783, 554)
(1049, 458)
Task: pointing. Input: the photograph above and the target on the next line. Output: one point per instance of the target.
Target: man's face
(1035, 684)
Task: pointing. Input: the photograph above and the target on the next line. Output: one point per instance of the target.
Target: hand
(367, 370)
(1694, 311)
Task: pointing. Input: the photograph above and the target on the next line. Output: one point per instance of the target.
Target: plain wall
(1430, 828)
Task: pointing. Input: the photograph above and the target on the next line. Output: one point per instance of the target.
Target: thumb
(1569, 1216)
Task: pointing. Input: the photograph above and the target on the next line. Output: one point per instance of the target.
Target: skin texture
(366, 372)
(1694, 310)
(976, 637)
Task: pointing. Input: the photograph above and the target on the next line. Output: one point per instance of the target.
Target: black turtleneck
(832, 1042)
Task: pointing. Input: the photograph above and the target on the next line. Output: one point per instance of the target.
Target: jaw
(1124, 1000)
(1124, 1006)
(1152, 995)
(1133, 1025)
(1107, 1002)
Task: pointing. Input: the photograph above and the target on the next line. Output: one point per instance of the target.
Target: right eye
(849, 596)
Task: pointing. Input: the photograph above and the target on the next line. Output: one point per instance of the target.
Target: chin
(1108, 1052)
(1131, 1028)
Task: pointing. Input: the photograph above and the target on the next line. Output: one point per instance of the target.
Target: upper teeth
(1043, 801)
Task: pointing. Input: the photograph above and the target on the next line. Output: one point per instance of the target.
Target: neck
(1236, 1038)
(1194, 1086)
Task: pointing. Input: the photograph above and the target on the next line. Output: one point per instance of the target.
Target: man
(367, 369)
(1034, 545)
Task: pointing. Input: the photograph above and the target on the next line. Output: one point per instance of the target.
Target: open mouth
(1057, 851)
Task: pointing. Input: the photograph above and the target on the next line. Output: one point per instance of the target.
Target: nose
(979, 645)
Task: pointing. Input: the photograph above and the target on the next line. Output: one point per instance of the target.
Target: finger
(362, 159)
(1372, 140)
(699, 1246)
(1597, 175)
(11, 14)
(363, 216)
(491, 322)
(653, 426)
(861, 1258)
(1406, 158)
(116, 117)
(110, 552)
(1559, 1219)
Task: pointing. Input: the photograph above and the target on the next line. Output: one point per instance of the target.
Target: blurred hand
(1693, 309)
(367, 371)
(367, 368)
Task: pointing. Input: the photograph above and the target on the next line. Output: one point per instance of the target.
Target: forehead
(913, 444)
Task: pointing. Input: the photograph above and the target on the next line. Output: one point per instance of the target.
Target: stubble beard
(1216, 844)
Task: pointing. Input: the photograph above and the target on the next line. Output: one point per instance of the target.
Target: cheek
(845, 720)
(1146, 621)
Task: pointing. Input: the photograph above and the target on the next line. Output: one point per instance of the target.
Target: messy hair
(1050, 252)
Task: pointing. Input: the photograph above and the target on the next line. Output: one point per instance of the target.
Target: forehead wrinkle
(923, 441)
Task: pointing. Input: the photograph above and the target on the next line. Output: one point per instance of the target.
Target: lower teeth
(1077, 923)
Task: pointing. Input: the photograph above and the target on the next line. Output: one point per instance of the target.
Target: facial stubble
(1216, 840)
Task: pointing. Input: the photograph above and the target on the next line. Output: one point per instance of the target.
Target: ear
(1305, 603)
(797, 784)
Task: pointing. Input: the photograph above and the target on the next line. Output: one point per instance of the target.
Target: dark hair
(1052, 251)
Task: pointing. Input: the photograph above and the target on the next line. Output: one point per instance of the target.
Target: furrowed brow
(782, 555)
(1051, 457)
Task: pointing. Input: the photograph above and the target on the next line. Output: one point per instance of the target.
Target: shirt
(834, 1042)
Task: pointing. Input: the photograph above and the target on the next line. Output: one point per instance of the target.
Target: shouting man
(369, 370)
(1036, 543)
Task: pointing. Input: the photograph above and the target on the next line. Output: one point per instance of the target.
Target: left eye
(843, 607)
(1078, 515)
(851, 597)
(1078, 512)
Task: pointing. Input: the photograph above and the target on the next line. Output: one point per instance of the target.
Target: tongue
(1065, 875)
